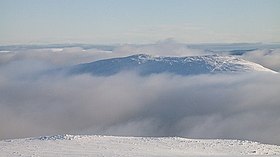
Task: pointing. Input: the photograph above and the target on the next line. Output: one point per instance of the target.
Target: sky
(145, 21)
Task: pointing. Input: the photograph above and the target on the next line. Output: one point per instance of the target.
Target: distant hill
(147, 64)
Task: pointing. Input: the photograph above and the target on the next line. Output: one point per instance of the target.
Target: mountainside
(83, 145)
(147, 64)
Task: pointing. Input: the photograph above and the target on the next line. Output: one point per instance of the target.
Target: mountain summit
(191, 65)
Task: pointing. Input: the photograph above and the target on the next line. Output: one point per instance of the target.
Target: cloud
(269, 58)
(167, 47)
(75, 55)
(58, 57)
(204, 106)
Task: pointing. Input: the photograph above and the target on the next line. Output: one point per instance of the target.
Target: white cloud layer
(76, 55)
(204, 106)
(267, 57)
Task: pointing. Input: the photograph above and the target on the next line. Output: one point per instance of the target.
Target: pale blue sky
(138, 21)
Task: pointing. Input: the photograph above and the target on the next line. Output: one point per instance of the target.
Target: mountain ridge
(147, 64)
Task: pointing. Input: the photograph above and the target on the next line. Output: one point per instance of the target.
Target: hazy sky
(142, 21)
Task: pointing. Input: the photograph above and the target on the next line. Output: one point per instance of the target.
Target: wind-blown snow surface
(147, 64)
(75, 145)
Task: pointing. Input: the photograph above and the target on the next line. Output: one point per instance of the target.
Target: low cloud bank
(232, 106)
(204, 106)
(67, 56)
(269, 58)
(75, 55)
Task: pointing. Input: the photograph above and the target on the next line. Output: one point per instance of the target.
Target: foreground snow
(75, 145)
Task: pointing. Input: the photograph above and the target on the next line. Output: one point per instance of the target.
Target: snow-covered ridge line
(191, 65)
(216, 61)
(95, 145)
(57, 137)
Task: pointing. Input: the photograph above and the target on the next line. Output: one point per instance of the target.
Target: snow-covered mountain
(147, 64)
(84, 145)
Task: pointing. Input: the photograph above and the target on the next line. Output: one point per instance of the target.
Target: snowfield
(148, 64)
(84, 145)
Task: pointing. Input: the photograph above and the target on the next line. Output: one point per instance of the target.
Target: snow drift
(77, 145)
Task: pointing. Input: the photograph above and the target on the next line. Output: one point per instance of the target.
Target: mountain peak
(191, 65)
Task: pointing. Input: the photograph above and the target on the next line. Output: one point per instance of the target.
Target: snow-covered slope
(147, 64)
(75, 145)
